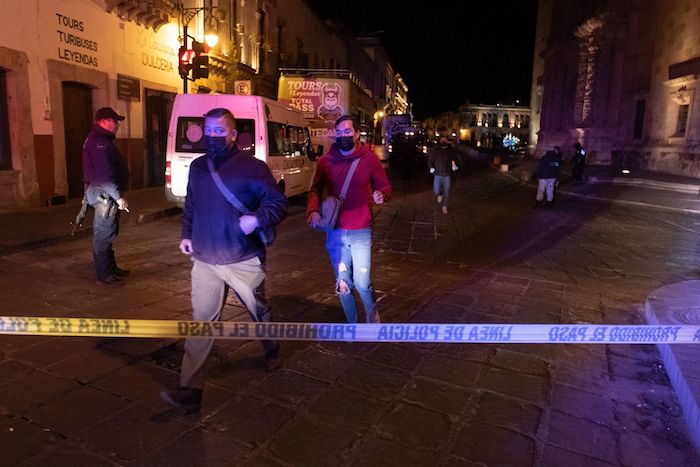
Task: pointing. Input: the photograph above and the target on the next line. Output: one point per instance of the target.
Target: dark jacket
(211, 222)
(441, 160)
(549, 165)
(579, 156)
(104, 169)
(331, 170)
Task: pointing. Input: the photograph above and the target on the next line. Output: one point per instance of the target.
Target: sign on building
(128, 88)
(243, 87)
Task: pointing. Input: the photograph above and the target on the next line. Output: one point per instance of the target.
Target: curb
(150, 216)
(677, 304)
(653, 184)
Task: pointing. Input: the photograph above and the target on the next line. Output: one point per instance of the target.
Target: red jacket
(331, 170)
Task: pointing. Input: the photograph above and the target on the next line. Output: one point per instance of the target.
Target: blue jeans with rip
(441, 186)
(351, 257)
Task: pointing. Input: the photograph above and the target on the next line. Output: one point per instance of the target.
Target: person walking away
(547, 173)
(226, 251)
(579, 163)
(442, 162)
(106, 177)
(349, 244)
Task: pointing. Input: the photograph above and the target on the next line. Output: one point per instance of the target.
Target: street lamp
(211, 39)
(195, 57)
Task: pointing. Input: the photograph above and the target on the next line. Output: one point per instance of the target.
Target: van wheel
(280, 184)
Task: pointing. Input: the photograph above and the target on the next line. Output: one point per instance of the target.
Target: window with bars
(639, 119)
(682, 120)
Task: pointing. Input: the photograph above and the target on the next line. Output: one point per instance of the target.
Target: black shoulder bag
(267, 234)
(330, 207)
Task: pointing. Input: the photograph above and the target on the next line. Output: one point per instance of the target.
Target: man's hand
(248, 224)
(378, 196)
(454, 166)
(313, 220)
(186, 246)
(123, 204)
(432, 170)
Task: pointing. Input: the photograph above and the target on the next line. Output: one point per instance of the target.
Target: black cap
(107, 113)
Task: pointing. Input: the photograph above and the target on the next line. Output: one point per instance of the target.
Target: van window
(190, 134)
(287, 140)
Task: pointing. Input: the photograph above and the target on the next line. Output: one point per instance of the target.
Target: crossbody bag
(267, 234)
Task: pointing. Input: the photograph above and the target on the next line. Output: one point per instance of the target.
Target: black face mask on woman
(345, 143)
(217, 145)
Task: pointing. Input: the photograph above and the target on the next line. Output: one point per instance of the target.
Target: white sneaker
(439, 198)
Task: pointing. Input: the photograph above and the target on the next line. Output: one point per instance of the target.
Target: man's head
(443, 141)
(346, 133)
(557, 149)
(108, 119)
(220, 131)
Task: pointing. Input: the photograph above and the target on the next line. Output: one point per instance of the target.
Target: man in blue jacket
(442, 161)
(106, 178)
(547, 173)
(226, 252)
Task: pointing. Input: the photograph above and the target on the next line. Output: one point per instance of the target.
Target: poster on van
(321, 100)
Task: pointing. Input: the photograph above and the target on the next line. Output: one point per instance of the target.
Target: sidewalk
(608, 184)
(31, 228)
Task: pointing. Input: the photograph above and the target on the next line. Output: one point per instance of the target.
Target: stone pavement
(492, 260)
(673, 304)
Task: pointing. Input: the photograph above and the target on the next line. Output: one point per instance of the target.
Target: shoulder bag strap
(348, 177)
(230, 197)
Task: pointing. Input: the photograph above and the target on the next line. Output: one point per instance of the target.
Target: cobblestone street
(493, 259)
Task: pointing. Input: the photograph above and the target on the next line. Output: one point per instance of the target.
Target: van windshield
(190, 135)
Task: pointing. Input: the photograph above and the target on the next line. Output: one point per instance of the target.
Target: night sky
(455, 51)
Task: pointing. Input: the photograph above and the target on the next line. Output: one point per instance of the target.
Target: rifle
(80, 217)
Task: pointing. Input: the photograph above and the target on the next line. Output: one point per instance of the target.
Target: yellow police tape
(349, 332)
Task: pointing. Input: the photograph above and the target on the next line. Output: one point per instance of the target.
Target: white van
(276, 134)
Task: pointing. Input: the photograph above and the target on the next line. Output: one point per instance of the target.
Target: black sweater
(211, 222)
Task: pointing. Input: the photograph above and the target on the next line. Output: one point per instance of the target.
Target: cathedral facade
(620, 77)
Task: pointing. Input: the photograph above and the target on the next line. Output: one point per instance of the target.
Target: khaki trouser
(546, 185)
(210, 284)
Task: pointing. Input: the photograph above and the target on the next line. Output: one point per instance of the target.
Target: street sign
(128, 88)
(243, 87)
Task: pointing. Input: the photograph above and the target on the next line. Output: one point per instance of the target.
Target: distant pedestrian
(547, 173)
(226, 252)
(442, 161)
(106, 178)
(578, 163)
(349, 244)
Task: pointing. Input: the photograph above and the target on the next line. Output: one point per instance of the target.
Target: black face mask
(345, 143)
(216, 145)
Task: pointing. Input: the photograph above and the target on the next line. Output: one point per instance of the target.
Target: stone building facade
(481, 125)
(486, 126)
(620, 76)
(62, 60)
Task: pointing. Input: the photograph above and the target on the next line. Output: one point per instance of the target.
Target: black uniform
(106, 177)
